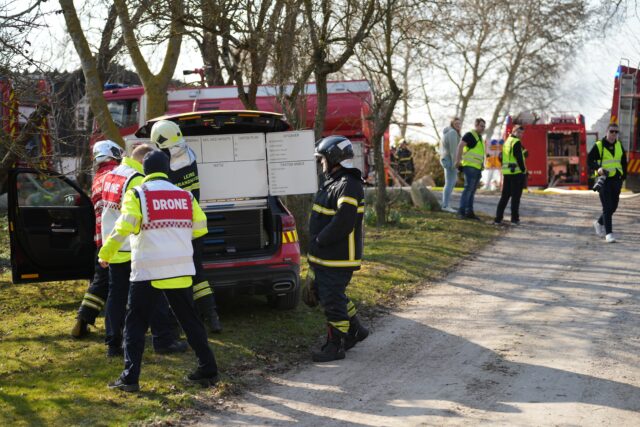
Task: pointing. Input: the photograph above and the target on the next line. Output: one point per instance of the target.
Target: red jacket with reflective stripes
(96, 195)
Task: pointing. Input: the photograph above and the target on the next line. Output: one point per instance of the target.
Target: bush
(394, 217)
(426, 161)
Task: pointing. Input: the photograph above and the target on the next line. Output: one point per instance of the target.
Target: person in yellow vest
(154, 213)
(514, 172)
(607, 159)
(116, 183)
(470, 161)
(167, 136)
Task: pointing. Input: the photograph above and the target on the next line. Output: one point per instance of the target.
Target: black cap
(155, 161)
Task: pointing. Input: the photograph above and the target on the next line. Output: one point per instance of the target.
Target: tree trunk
(93, 84)
(156, 101)
(381, 184)
(405, 86)
(321, 103)
(155, 86)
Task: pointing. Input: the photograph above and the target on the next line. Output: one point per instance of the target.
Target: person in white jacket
(448, 147)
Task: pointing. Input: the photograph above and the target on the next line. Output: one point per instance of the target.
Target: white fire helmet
(106, 150)
(166, 134)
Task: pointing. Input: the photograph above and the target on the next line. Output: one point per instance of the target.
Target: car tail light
(288, 222)
(289, 233)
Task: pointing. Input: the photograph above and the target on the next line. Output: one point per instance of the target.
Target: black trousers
(202, 291)
(512, 186)
(96, 296)
(332, 284)
(143, 299)
(162, 325)
(609, 198)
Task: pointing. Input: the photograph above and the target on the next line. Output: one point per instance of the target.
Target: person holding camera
(514, 172)
(608, 161)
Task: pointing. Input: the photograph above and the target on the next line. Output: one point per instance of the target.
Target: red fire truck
(15, 109)
(625, 112)
(557, 149)
(348, 106)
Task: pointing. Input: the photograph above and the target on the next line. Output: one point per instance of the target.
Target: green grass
(47, 378)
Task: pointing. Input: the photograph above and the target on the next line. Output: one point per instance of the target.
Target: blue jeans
(471, 180)
(450, 178)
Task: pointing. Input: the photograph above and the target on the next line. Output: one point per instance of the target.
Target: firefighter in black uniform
(335, 250)
(167, 136)
(404, 157)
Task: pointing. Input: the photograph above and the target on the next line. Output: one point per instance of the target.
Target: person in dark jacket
(607, 159)
(404, 157)
(336, 245)
(514, 172)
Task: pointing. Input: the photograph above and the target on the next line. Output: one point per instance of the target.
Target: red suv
(251, 247)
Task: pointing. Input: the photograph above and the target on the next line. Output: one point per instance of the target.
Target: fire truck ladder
(627, 107)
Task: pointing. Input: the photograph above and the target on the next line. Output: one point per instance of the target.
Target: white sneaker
(599, 228)
(449, 209)
(610, 238)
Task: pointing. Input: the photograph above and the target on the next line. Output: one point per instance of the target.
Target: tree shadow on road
(427, 375)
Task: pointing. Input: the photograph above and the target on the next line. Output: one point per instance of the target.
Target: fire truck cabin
(556, 149)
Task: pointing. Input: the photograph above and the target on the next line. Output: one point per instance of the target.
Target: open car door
(51, 228)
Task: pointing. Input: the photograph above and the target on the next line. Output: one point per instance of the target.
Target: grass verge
(47, 378)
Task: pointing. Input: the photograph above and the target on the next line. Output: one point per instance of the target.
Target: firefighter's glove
(310, 290)
(512, 167)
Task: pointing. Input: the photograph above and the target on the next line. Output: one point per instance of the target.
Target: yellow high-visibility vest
(474, 157)
(610, 162)
(508, 158)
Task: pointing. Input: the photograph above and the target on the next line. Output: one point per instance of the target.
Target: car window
(43, 190)
(124, 112)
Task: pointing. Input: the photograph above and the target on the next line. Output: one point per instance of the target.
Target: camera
(599, 183)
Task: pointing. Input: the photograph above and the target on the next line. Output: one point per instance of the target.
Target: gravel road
(540, 328)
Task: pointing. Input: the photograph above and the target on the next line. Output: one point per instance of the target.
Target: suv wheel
(288, 301)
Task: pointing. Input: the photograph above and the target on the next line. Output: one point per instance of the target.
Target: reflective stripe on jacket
(474, 157)
(116, 184)
(185, 174)
(162, 230)
(509, 159)
(96, 196)
(610, 162)
(336, 222)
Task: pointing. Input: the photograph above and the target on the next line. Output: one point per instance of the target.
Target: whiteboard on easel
(291, 163)
(232, 166)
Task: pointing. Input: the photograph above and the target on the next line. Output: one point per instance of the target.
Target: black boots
(206, 307)
(80, 328)
(212, 321)
(356, 333)
(333, 349)
(203, 378)
(338, 342)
